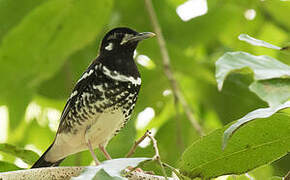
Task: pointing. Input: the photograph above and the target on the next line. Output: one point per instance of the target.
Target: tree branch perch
(64, 173)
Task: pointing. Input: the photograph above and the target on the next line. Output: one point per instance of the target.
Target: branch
(178, 96)
(154, 143)
(157, 155)
(64, 173)
(287, 177)
(133, 149)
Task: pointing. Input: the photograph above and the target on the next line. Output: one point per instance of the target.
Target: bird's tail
(41, 162)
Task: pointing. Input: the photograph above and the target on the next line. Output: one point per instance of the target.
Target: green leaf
(259, 113)
(264, 67)
(15, 10)
(111, 169)
(273, 91)
(47, 36)
(26, 155)
(263, 172)
(102, 174)
(6, 166)
(37, 47)
(17, 103)
(69, 73)
(43, 139)
(258, 143)
(257, 42)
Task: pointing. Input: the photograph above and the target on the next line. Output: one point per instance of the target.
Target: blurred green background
(45, 45)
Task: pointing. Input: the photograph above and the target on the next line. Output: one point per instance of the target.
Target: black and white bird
(102, 100)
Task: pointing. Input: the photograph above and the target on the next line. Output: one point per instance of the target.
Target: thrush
(102, 100)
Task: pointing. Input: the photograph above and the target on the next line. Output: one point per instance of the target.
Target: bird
(102, 100)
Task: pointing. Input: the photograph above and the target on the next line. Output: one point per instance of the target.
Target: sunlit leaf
(26, 155)
(257, 143)
(257, 42)
(48, 35)
(11, 12)
(264, 67)
(37, 47)
(6, 166)
(111, 169)
(259, 113)
(273, 91)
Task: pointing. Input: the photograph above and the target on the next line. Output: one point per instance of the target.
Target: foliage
(45, 46)
(26, 155)
(110, 170)
(258, 143)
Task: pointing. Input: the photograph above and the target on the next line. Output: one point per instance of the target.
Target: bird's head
(122, 40)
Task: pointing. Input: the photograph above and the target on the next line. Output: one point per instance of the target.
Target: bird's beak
(141, 36)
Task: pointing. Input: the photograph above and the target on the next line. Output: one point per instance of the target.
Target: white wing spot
(73, 94)
(86, 75)
(109, 47)
(96, 67)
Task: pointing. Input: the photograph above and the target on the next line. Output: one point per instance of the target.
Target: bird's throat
(124, 65)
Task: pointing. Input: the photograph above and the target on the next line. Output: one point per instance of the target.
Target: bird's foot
(139, 170)
(131, 168)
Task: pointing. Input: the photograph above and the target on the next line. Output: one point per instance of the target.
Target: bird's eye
(109, 47)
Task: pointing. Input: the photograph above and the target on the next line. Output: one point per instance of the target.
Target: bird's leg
(89, 144)
(103, 149)
(97, 162)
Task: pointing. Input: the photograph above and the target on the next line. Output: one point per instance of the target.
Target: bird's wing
(79, 87)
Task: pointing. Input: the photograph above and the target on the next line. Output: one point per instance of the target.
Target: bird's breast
(107, 92)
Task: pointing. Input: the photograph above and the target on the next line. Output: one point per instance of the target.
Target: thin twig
(157, 155)
(154, 144)
(167, 68)
(134, 147)
(287, 177)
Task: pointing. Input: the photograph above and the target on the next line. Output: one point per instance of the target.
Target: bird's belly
(105, 127)
(99, 131)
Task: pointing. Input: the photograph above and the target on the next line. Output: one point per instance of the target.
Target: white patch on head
(109, 47)
(121, 77)
(85, 75)
(126, 38)
(113, 36)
